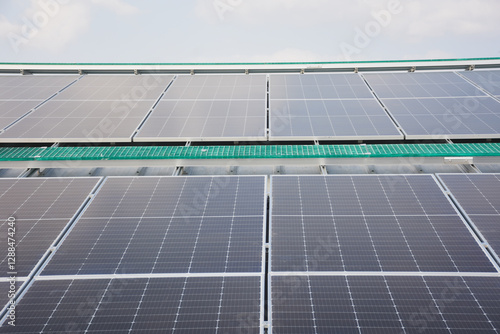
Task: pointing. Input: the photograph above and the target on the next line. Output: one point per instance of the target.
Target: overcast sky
(246, 30)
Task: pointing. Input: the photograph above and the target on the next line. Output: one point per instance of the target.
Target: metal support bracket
(458, 160)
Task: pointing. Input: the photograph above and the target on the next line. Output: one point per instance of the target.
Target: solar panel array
(122, 108)
(95, 109)
(478, 196)
(155, 255)
(375, 254)
(326, 106)
(360, 254)
(437, 105)
(20, 94)
(209, 107)
(41, 209)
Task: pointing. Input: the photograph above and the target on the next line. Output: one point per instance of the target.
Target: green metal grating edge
(247, 152)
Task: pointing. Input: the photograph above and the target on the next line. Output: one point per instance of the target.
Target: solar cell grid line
(455, 118)
(306, 261)
(41, 209)
(97, 108)
(141, 305)
(487, 79)
(437, 105)
(390, 304)
(477, 197)
(5, 285)
(326, 106)
(358, 223)
(190, 224)
(21, 94)
(209, 107)
(420, 85)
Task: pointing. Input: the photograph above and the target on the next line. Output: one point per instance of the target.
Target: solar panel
(101, 108)
(420, 85)
(478, 197)
(437, 105)
(369, 223)
(6, 288)
(40, 209)
(20, 94)
(390, 304)
(167, 225)
(141, 305)
(326, 106)
(489, 80)
(209, 107)
(455, 118)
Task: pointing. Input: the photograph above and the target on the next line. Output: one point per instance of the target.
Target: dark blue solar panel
(479, 196)
(323, 304)
(41, 208)
(369, 223)
(145, 305)
(168, 225)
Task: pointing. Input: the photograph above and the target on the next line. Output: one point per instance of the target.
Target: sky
(201, 31)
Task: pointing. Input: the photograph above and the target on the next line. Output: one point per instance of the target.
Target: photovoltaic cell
(478, 196)
(326, 106)
(101, 108)
(145, 305)
(437, 105)
(391, 304)
(420, 85)
(369, 223)
(471, 117)
(318, 87)
(209, 107)
(489, 80)
(42, 208)
(5, 286)
(167, 225)
(20, 94)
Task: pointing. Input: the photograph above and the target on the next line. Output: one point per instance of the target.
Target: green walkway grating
(247, 152)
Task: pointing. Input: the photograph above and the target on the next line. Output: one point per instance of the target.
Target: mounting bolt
(471, 68)
(413, 69)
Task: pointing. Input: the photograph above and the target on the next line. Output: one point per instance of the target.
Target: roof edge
(264, 63)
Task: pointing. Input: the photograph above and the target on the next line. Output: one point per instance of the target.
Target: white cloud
(274, 12)
(51, 26)
(65, 27)
(118, 6)
(289, 55)
(6, 26)
(427, 18)
(47, 26)
(432, 54)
